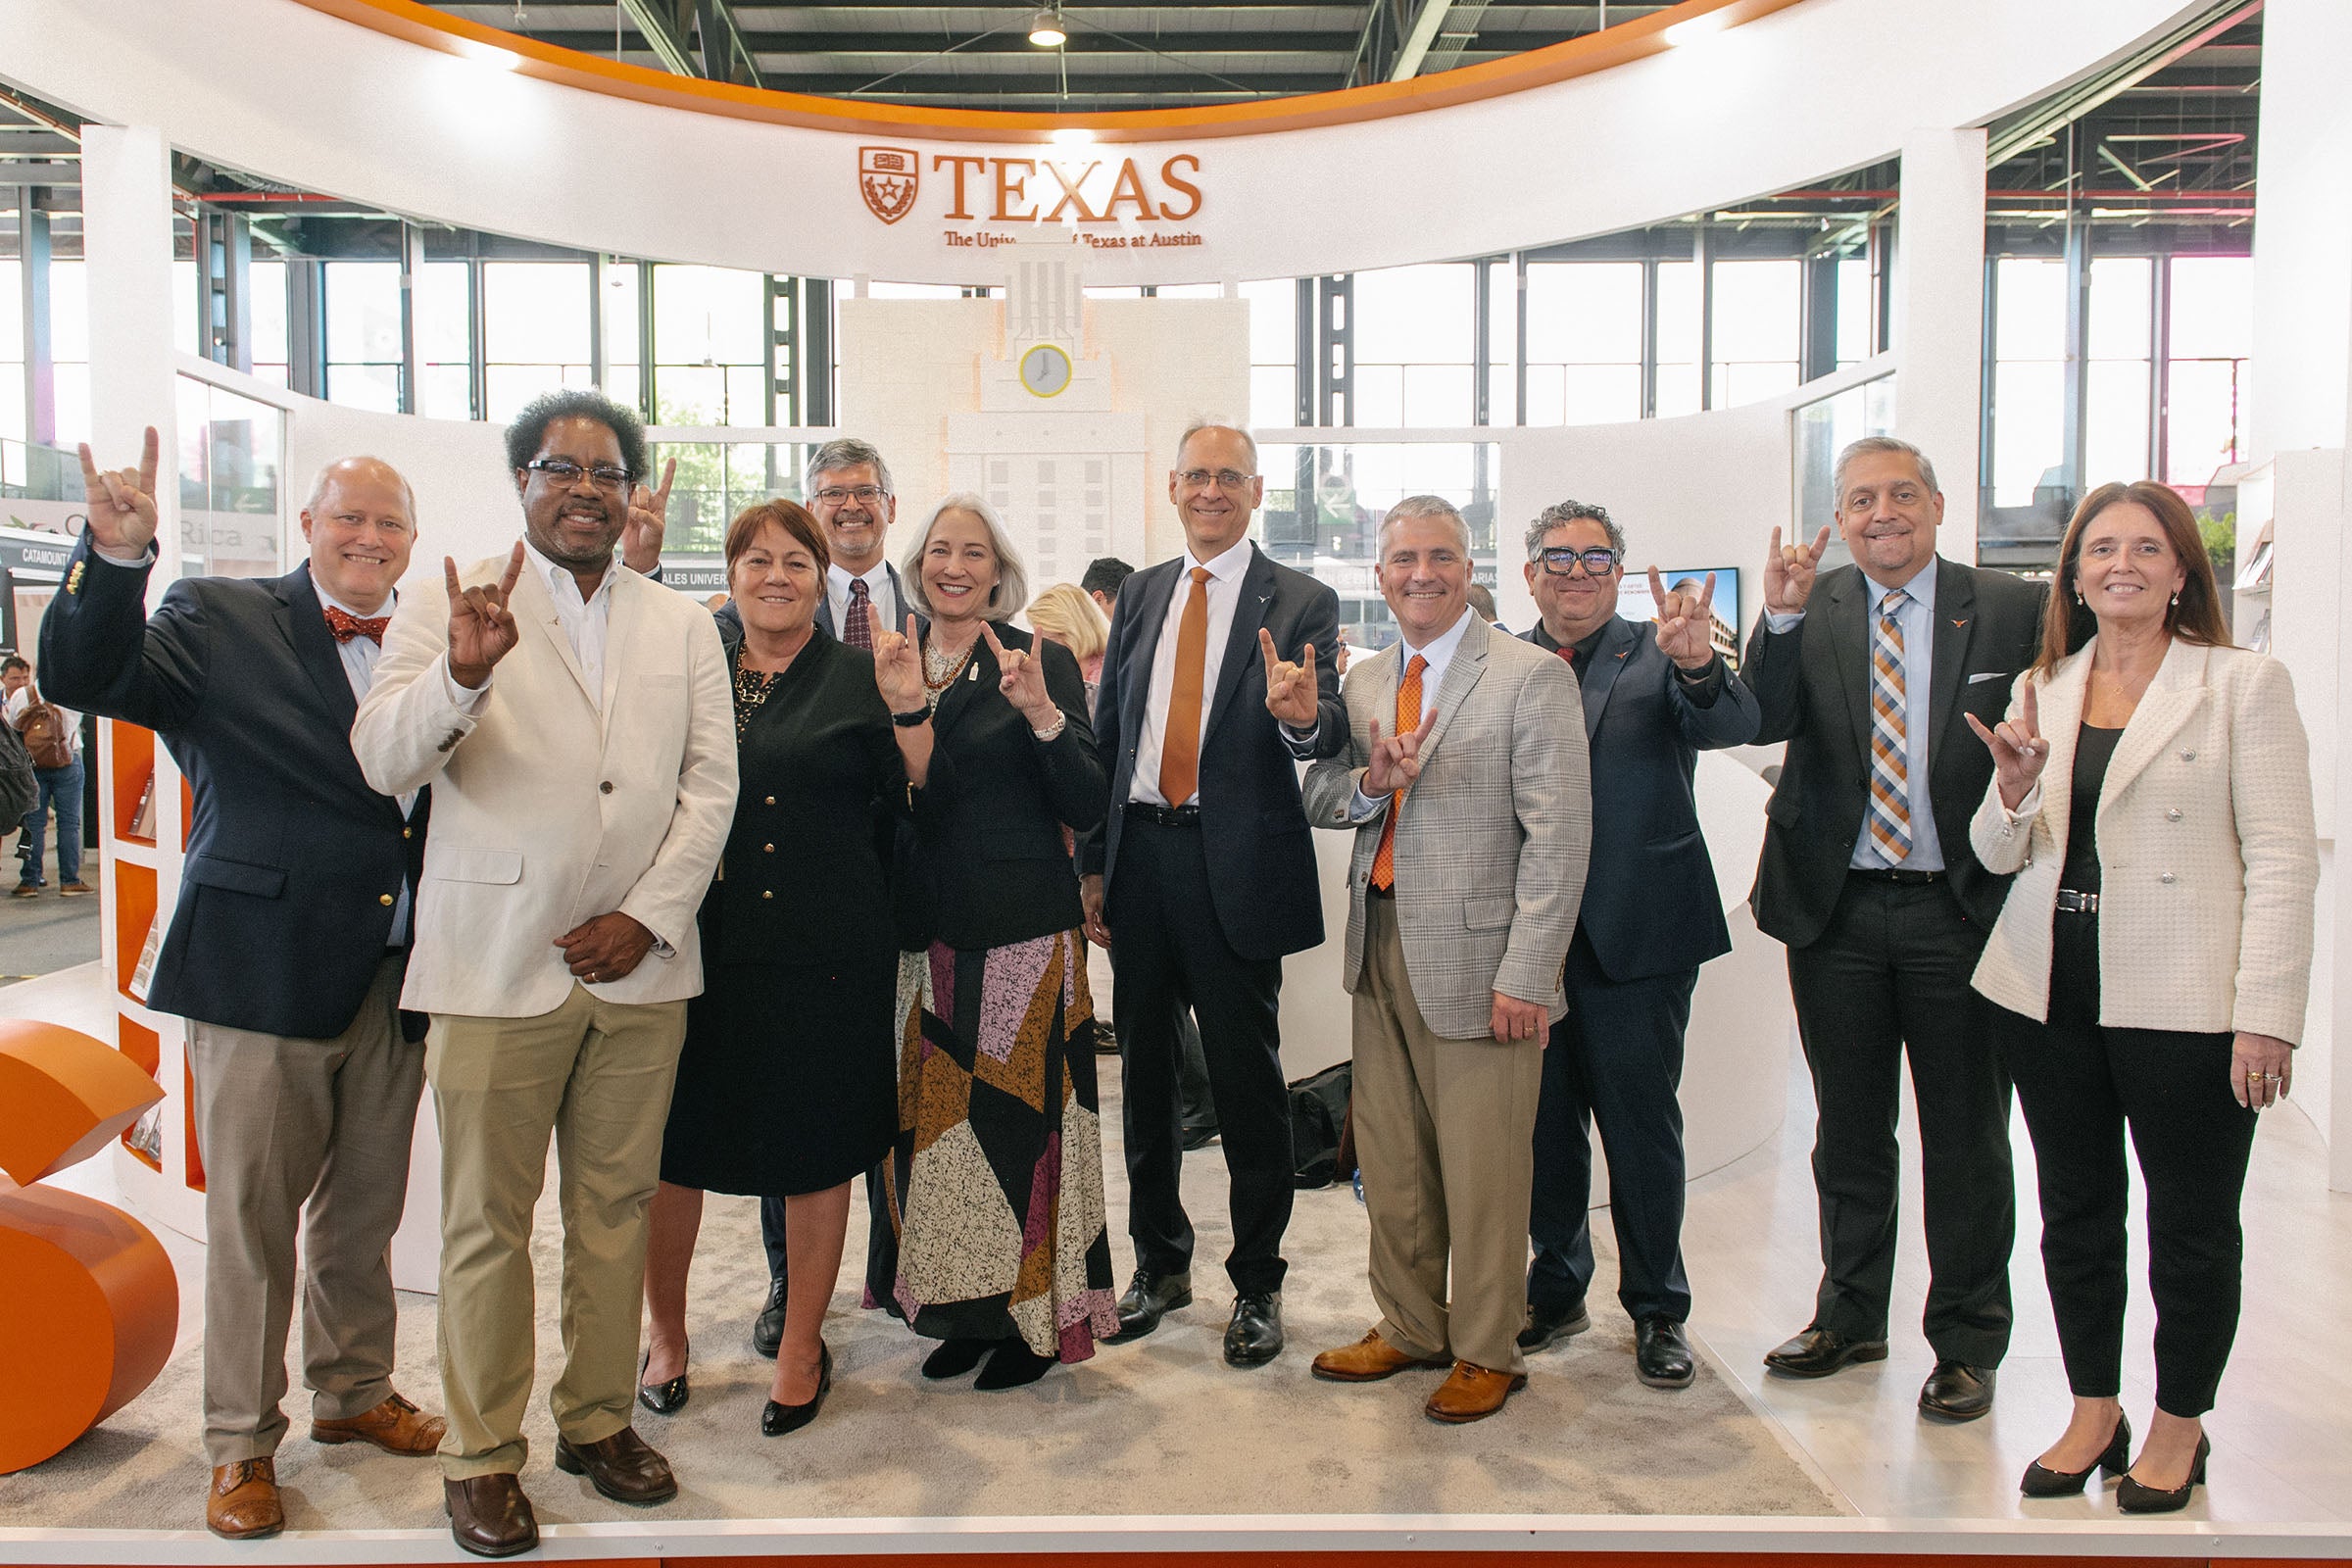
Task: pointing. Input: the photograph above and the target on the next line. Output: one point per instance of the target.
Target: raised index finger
(669, 472)
(995, 647)
(150, 454)
(456, 589)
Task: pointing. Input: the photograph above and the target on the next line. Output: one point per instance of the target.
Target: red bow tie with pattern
(344, 625)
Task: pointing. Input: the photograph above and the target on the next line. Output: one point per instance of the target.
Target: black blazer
(1650, 905)
(1813, 685)
(294, 865)
(1262, 882)
(989, 859)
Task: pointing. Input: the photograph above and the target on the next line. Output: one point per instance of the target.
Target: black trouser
(2080, 1084)
(1617, 1060)
(1167, 953)
(1889, 977)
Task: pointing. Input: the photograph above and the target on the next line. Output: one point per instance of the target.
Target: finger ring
(592, 977)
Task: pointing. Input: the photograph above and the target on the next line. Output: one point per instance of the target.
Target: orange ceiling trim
(419, 23)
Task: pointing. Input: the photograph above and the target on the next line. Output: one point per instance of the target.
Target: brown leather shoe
(1472, 1393)
(395, 1426)
(624, 1467)
(1367, 1360)
(489, 1516)
(243, 1503)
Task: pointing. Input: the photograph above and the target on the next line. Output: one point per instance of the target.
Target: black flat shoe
(662, 1399)
(2040, 1480)
(2134, 1497)
(1818, 1352)
(1545, 1326)
(1014, 1366)
(778, 1419)
(1956, 1391)
(1662, 1354)
(955, 1357)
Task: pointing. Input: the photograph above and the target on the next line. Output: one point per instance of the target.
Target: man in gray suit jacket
(1473, 814)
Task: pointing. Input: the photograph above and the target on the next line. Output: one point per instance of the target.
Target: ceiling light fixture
(1045, 30)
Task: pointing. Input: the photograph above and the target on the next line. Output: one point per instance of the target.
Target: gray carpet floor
(1160, 1427)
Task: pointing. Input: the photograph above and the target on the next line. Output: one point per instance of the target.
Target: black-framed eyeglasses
(866, 495)
(1226, 478)
(1560, 560)
(563, 471)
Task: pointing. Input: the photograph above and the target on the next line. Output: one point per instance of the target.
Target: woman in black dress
(786, 1084)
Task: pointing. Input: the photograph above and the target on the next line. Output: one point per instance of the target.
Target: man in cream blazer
(574, 723)
(1466, 780)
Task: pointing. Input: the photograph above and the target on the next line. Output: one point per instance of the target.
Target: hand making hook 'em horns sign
(482, 628)
(1789, 571)
(1291, 690)
(1686, 622)
(2019, 753)
(647, 521)
(1397, 762)
(1023, 681)
(120, 502)
(898, 663)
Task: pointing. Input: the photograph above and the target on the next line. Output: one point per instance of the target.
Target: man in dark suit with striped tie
(1867, 875)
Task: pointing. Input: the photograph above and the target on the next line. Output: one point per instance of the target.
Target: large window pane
(2118, 308)
(1757, 306)
(2203, 419)
(1678, 338)
(186, 307)
(2213, 306)
(619, 321)
(2029, 307)
(707, 319)
(2115, 423)
(269, 356)
(1408, 322)
(1856, 293)
(362, 333)
(1584, 312)
(443, 305)
(2028, 431)
(1273, 351)
(12, 319)
(536, 313)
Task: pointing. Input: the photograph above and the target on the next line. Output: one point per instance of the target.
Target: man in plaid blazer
(1466, 780)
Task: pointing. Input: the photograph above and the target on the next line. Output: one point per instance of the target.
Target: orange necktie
(1180, 744)
(1408, 719)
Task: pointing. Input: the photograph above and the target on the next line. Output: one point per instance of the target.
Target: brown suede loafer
(1472, 1393)
(1367, 1360)
(489, 1516)
(624, 1467)
(243, 1503)
(395, 1426)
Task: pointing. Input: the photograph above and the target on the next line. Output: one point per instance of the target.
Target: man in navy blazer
(286, 950)
(1203, 878)
(1654, 698)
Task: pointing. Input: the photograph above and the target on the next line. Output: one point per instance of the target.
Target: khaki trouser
(598, 1075)
(280, 1122)
(1444, 1131)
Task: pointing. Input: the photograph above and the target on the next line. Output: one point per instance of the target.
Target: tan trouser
(1445, 1130)
(280, 1122)
(598, 1075)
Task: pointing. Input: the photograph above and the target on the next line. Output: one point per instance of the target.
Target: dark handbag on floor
(1319, 1127)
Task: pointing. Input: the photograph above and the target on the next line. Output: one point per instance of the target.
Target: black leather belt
(1901, 876)
(2071, 901)
(1163, 816)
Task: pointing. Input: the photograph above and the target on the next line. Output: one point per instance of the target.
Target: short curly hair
(530, 429)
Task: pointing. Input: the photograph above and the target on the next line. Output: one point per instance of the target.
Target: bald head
(360, 522)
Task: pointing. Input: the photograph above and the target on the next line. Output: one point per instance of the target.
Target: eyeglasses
(1226, 478)
(866, 495)
(1560, 560)
(563, 471)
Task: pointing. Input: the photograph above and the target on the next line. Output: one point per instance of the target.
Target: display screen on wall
(1635, 603)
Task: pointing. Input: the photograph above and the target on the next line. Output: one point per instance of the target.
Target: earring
(2078, 599)
(2176, 601)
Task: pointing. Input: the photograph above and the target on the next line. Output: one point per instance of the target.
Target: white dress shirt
(877, 586)
(586, 623)
(1434, 656)
(1224, 589)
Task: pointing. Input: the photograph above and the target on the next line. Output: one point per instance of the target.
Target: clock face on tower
(1046, 370)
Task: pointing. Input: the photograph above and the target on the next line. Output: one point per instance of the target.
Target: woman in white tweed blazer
(2153, 793)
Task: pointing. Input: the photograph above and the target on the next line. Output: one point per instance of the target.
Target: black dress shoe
(1254, 1336)
(955, 1357)
(2040, 1480)
(768, 1329)
(1661, 1354)
(778, 1419)
(1201, 1137)
(1818, 1352)
(2133, 1497)
(1148, 1297)
(1956, 1391)
(662, 1399)
(489, 1516)
(624, 1467)
(1546, 1326)
(1013, 1365)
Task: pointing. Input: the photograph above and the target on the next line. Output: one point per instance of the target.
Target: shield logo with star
(887, 176)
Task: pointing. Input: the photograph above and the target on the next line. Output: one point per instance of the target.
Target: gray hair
(1198, 425)
(1871, 446)
(846, 451)
(1560, 514)
(1425, 507)
(326, 474)
(1012, 591)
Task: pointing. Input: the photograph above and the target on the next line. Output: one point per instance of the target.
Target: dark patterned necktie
(344, 625)
(860, 632)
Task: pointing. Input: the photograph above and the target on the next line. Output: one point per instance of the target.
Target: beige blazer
(551, 808)
(1492, 844)
(2208, 863)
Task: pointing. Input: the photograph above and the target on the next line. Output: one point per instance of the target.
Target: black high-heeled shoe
(2135, 1496)
(778, 1419)
(2040, 1480)
(662, 1399)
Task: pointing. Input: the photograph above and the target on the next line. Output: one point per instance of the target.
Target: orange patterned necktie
(1180, 743)
(1408, 719)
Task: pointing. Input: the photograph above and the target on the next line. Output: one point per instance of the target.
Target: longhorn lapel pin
(1959, 623)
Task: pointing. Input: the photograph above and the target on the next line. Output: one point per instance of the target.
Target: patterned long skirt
(994, 1195)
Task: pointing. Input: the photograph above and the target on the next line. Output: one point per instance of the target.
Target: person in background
(787, 1082)
(2151, 793)
(1653, 698)
(1482, 600)
(1868, 878)
(52, 733)
(998, 1248)
(1104, 576)
(286, 949)
(1067, 613)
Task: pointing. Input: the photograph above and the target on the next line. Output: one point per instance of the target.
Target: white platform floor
(2281, 1477)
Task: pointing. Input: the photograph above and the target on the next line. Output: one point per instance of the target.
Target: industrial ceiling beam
(1417, 42)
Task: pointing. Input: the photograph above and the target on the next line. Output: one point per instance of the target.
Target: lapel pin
(973, 672)
(1959, 623)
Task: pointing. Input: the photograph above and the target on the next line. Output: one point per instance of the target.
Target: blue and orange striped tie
(1890, 751)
